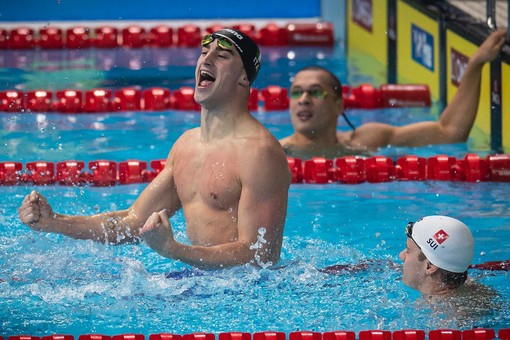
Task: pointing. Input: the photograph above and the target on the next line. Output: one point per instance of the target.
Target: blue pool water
(53, 284)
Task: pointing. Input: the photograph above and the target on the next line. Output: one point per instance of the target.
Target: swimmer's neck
(440, 289)
(313, 141)
(219, 124)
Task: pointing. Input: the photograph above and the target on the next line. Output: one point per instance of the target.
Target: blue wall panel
(54, 10)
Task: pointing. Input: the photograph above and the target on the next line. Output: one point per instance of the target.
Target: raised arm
(116, 227)
(457, 119)
(265, 181)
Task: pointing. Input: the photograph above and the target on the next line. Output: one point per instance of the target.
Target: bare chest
(209, 176)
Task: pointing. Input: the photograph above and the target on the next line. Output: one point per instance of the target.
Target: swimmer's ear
(431, 269)
(244, 80)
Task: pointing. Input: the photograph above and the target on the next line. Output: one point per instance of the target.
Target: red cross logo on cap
(441, 236)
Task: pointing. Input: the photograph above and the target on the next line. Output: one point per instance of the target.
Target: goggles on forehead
(315, 93)
(223, 42)
(409, 231)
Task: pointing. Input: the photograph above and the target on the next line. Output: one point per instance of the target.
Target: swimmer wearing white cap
(438, 252)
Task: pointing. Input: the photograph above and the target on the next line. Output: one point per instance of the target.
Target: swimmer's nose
(402, 255)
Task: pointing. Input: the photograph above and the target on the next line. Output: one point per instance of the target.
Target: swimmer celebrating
(316, 103)
(230, 176)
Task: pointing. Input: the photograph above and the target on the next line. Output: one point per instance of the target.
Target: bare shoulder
(186, 139)
(285, 141)
(265, 153)
(188, 135)
(344, 136)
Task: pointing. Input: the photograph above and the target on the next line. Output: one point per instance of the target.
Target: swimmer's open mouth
(304, 115)
(206, 78)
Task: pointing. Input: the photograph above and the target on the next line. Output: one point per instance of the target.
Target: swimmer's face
(218, 71)
(414, 270)
(314, 107)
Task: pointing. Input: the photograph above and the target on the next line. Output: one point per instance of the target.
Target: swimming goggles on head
(409, 229)
(223, 42)
(315, 93)
(409, 232)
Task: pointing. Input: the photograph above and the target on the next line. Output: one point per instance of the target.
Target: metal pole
(491, 14)
(508, 20)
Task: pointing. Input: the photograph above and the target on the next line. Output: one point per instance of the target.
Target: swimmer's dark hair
(334, 81)
(451, 279)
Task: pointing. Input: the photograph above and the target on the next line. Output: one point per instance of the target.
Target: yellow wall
(373, 43)
(480, 134)
(505, 101)
(408, 70)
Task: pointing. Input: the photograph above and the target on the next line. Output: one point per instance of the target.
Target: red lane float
(127, 99)
(504, 333)
(11, 101)
(94, 337)
(339, 335)
(199, 336)
(69, 101)
(184, 99)
(272, 98)
(304, 335)
(366, 96)
(315, 34)
(411, 168)
(10, 172)
(189, 36)
(318, 170)
(21, 38)
(374, 335)
(234, 336)
(77, 37)
(97, 100)
(350, 170)
(38, 101)
(275, 98)
(478, 334)
(165, 336)
(377, 169)
(407, 334)
(136, 36)
(51, 38)
(273, 35)
(106, 37)
(68, 172)
(445, 334)
(4, 36)
(157, 99)
(269, 336)
(161, 36)
(128, 337)
(41, 173)
(58, 337)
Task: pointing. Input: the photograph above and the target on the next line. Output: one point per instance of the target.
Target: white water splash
(259, 245)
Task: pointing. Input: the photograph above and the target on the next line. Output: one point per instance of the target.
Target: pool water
(53, 284)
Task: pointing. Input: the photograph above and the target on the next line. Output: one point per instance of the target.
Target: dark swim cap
(247, 48)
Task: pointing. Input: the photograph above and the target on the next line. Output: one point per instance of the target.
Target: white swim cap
(446, 242)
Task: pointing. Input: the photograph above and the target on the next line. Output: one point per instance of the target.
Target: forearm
(459, 116)
(115, 228)
(214, 257)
